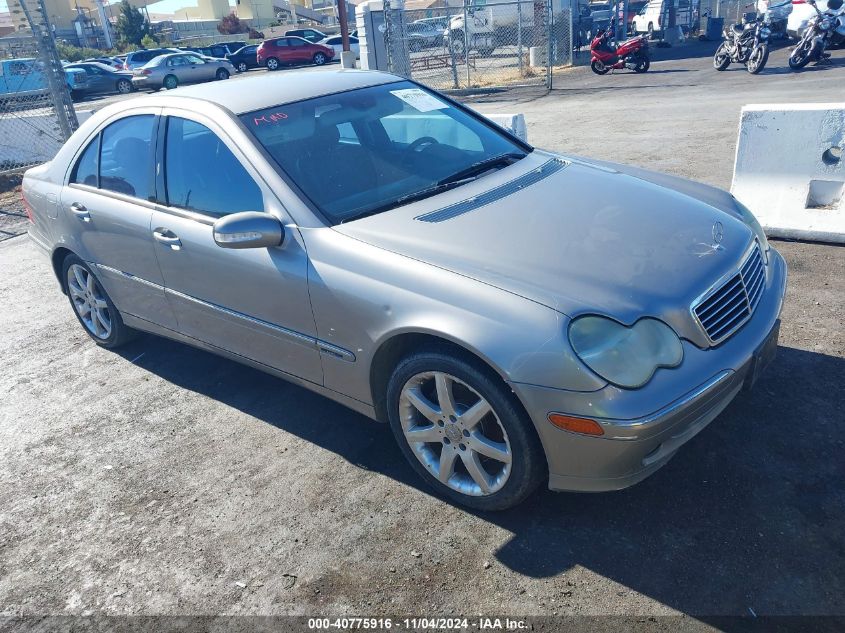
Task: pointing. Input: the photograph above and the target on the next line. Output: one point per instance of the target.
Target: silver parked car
(517, 316)
(169, 71)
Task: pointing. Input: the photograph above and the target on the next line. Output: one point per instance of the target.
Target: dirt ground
(164, 480)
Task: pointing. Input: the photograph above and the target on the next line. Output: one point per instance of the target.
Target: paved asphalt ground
(164, 480)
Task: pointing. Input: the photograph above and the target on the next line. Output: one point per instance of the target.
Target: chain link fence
(36, 110)
(502, 44)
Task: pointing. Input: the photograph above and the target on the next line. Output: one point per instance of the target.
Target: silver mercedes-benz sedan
(516, 316)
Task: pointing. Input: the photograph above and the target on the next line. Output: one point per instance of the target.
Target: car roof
(272, 89)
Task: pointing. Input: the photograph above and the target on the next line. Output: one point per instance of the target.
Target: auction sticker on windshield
(420, 99)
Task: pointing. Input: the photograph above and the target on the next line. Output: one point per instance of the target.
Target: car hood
(589, 238)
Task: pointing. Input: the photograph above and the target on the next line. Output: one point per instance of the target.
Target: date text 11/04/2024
(505, 624)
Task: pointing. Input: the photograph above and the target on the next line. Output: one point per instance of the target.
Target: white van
(655, 16)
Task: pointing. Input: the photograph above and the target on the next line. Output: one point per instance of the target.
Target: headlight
(625, 356)
(754, 225)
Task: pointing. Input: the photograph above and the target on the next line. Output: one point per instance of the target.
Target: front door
(252, 302)
(108, 201)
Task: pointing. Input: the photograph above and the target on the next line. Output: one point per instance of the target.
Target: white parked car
(801, 14)
(655, 16)
(336, 43)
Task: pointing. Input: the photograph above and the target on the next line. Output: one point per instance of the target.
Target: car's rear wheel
(222, 74)
(272, 63)
(319, 59)
(242, 67)
(463, 432)
(92, 305)
(170, 82)
(124, 86)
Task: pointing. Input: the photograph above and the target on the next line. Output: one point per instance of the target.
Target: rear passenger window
(126, 159)
(203, 175)
(85, 172)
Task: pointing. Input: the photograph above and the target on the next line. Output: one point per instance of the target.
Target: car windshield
(365, 151)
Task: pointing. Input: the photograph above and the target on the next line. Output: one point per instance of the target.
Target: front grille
(726, 308)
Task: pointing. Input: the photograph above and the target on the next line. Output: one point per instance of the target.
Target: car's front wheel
(272, 63)
(92, 306)
(222, 74)
(319, 59)
(242, 67)
(462, 431)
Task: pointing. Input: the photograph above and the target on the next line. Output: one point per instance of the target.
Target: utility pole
(347, 57)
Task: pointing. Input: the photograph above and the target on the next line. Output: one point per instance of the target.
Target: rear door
(251, 302)
(108, 203)
(300, 49)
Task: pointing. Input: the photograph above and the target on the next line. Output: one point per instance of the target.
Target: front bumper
(644, 428)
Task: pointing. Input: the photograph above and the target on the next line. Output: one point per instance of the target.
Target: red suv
(292, 50)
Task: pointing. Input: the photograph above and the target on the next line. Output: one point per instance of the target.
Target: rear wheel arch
(58, 259)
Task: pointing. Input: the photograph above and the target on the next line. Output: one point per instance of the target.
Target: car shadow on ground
(748, 515)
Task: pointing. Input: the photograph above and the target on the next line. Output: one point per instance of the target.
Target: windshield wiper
(439, 187)
(481, 166)
(450, 182)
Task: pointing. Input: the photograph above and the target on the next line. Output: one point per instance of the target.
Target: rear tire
(124, 86)
(758, 58)
(505, 427)
(721, 59)
(170, 82)
(92, 305)
(599, 68)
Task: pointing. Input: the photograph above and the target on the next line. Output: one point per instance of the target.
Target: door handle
(80, 211)
(167, 237)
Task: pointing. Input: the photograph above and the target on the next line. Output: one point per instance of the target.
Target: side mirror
(249, 229)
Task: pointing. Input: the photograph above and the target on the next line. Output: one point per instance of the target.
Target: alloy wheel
(124, 86)
(89, 301)
(272, 63)
(242, 67)
(455, 433)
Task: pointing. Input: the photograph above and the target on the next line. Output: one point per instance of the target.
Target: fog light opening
(583, 426)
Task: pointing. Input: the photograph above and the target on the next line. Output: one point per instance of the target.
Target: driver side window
(203, 175)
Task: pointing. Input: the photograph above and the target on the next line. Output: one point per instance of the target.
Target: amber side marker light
(583, 426)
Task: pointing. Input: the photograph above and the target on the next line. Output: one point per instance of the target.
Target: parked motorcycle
(632, 53)
(821, 31)
(745, 43)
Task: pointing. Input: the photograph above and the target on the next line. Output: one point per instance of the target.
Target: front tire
(643, 64)
(242, 67)
(272, 63)
(800, 57)
(721, 59)
(319, 59)
(463, 432)
(758, 58)
(222, 74)
(92, 305)
(598, 67)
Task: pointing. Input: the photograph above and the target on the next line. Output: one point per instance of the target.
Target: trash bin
(714, 28)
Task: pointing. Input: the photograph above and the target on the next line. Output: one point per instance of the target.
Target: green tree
(131, 27)
(148, 41)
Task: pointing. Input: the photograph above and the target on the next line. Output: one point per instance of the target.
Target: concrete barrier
(513, 123)
(790, 169)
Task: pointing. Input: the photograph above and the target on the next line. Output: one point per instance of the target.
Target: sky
(165, 6)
